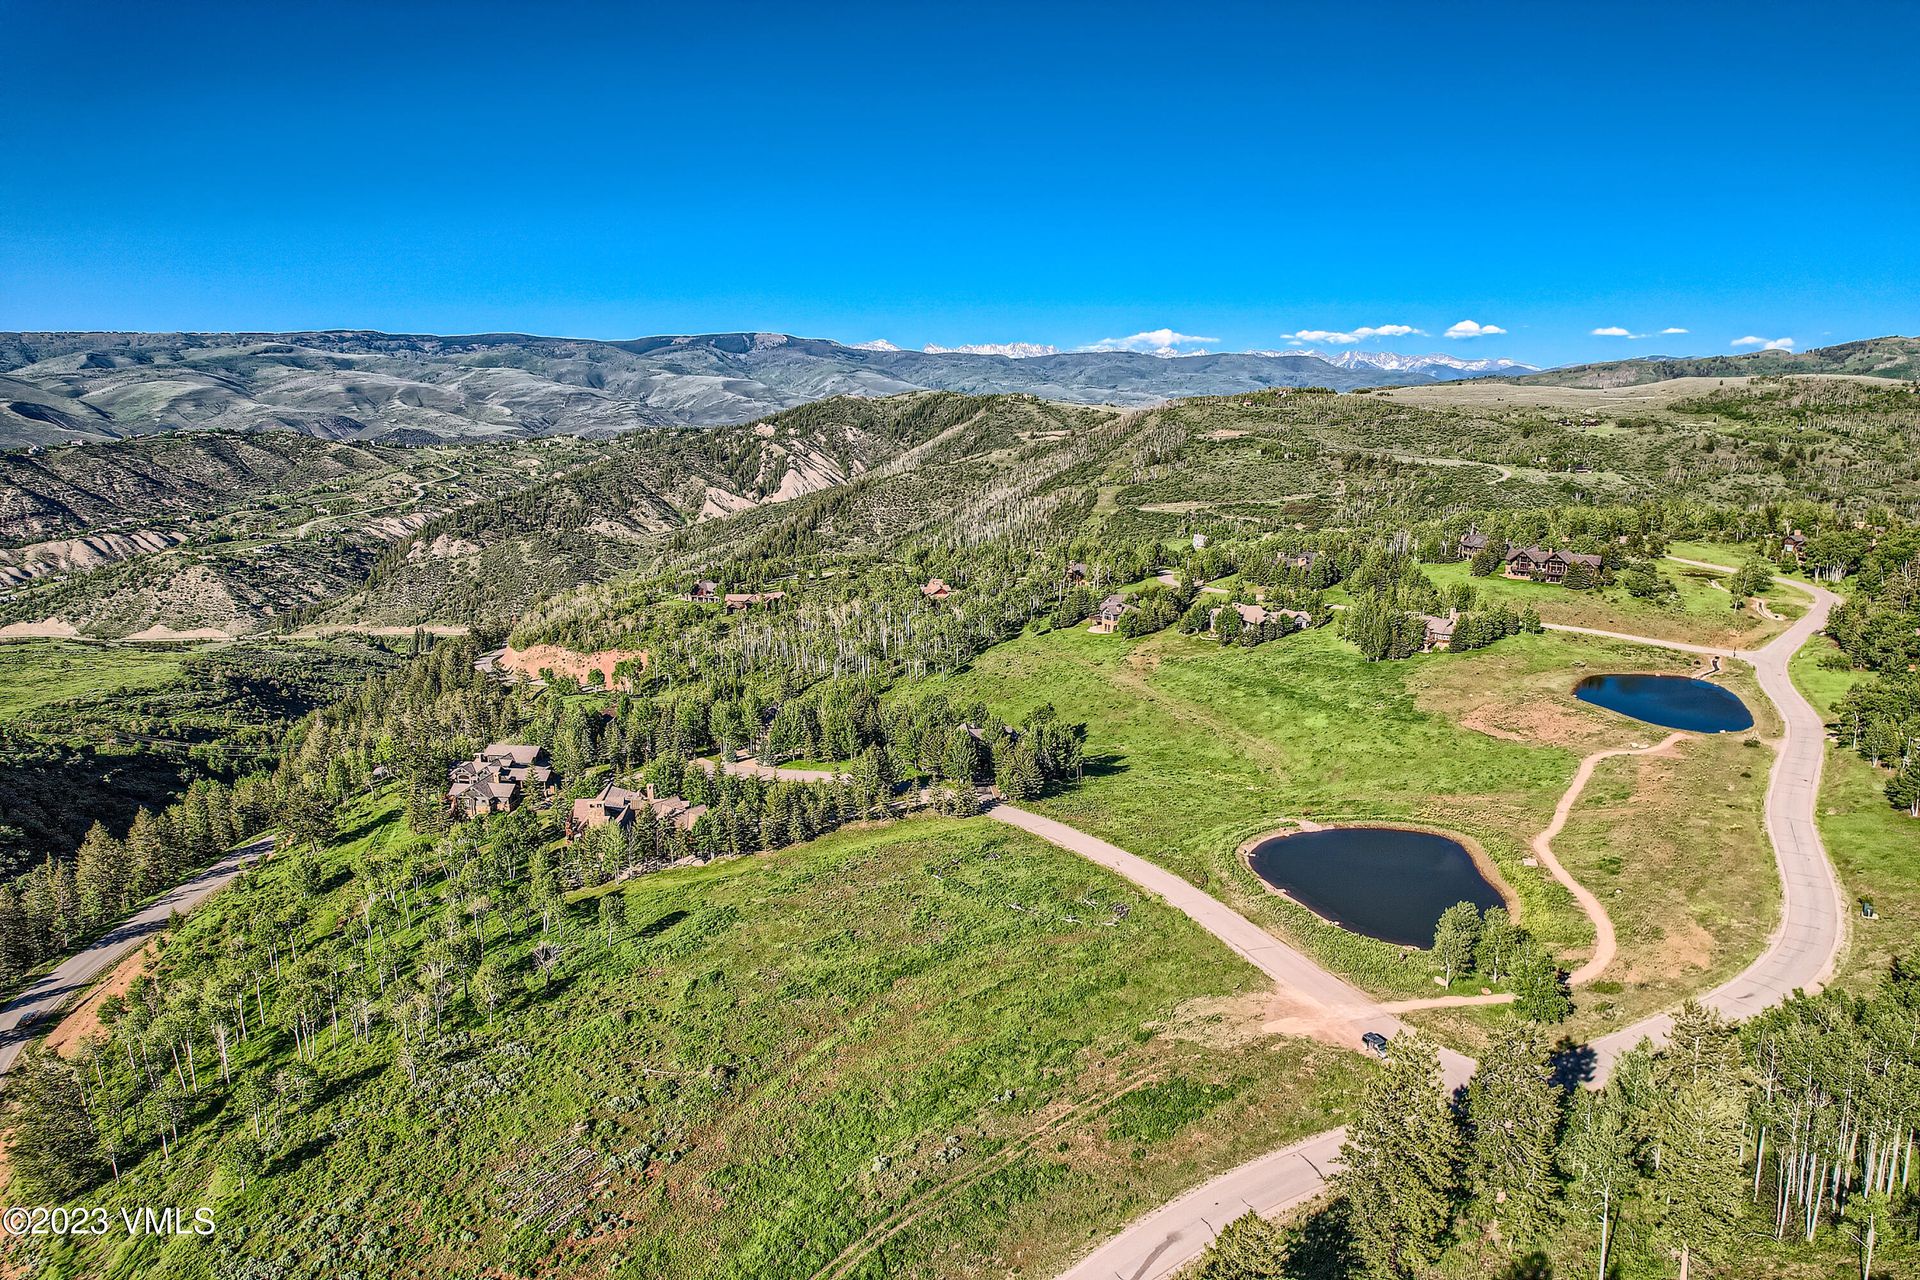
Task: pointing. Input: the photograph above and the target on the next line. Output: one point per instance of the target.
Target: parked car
(1376, 1042)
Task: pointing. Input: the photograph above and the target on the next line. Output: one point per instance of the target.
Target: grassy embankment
(1196, 748)
(929, 1048)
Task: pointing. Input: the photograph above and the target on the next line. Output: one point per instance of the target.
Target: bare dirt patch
(83, 1020)
(567, 662)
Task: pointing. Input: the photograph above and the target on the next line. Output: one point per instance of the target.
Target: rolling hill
(1890, 357)
(417, 389)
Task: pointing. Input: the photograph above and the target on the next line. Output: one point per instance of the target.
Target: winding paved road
(1801, 954)
(20, 1018)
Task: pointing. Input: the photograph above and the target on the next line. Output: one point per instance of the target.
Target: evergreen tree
(54, 1148)
(1513, 1110)
(1539, 985)
(1400, 1165)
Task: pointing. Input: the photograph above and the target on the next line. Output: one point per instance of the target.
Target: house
(1299, 559)
(1254, 615)
(620, 806)
(1108, 615)
(705, 591)
(498, 779)
(1547, 564)
(936, 589)
(1077, 573)
(1472, 543)
(1440, 630)
(736, 601)
(1794, 544)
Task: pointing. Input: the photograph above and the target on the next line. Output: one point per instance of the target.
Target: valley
(817, 1013)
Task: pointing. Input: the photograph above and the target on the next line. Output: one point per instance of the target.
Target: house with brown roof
(1254, 615)
(1794, 544)
(1439, 633)
(705, 591)
(736, 601)
(1077, 573)
(936, 589)
(500, 778)
(1108, 615)
(1544, 564)
(621, 805)
(1472, 543)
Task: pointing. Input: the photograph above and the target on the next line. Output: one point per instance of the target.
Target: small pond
(1672, 702)
(1380, 881)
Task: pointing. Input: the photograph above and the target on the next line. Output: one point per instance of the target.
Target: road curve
(1805, 945)
(1801, 954)
(20, 1017)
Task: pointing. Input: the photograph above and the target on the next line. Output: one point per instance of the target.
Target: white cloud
(1158, 342)
(1765, 344)
(1615, 331)
(1345, 338)
(1473, 329)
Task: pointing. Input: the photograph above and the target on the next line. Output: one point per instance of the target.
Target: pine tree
(54, 1147)
(1539, 985)
(1514, 1112)
(1400, 1167)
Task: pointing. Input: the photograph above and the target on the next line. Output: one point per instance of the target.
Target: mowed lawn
(39, 673)
(928, 1049)
(1875, 846)
(1194, 748)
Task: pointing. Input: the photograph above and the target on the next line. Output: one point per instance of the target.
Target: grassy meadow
(1701, 614)
(928, 1048)
(1195, 748)
(1875, 847)
(41, 673)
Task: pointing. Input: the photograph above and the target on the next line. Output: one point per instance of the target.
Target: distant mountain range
(1436, 366)
(419, 389)
(1890, 357)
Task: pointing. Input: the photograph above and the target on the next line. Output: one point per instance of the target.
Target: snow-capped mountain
(1434, 365)
(1013, 350)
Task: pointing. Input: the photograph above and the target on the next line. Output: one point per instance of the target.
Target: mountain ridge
(361, 384)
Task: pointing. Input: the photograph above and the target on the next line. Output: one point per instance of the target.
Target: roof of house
(1540, 555)
(515, 753)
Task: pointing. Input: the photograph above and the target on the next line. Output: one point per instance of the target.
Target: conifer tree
(1400, 1168)
(1514, 1112)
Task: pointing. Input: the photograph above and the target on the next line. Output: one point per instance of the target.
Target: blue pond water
(1386, 883)
(1673, 702)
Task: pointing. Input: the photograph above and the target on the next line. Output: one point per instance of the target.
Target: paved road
(1806, 944)
(1801, 954)
(19, 1020)
(1320, 1002)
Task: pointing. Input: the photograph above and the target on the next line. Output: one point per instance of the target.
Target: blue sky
(1057, 174)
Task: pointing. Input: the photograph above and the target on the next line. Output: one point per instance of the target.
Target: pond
(1383, 882)
(1672, 702)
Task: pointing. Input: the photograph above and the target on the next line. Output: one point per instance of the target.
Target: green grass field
(40, 673)
(930, 1048)
(1194, 749)
(1702, 614)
